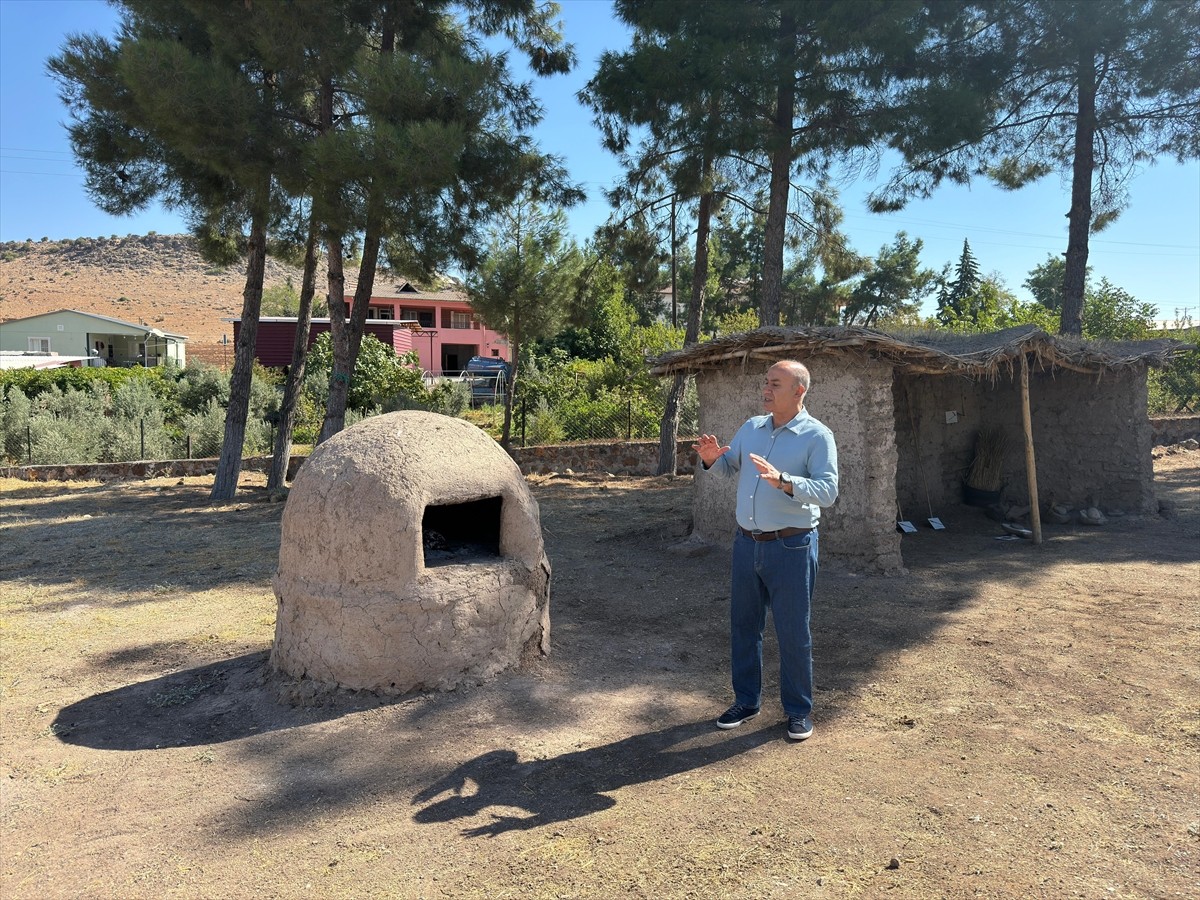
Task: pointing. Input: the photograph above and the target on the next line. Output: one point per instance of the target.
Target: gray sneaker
(736, 715)
(799, 727)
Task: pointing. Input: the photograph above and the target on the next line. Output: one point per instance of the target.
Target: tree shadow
(576, 784)
(212, 704)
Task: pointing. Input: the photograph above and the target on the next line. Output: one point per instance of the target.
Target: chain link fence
(612, 418)
(50, 441)
(56, 440)
(77, 428)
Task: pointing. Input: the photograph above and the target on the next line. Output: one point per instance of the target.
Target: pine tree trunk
(347, 337)
(1079, 219)
(230, 464)
(295, 377)
(339, 383)
(781, 168)
(347, 340)
(510, 390)
(668, 432)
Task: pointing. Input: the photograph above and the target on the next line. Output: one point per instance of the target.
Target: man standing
(786, 465)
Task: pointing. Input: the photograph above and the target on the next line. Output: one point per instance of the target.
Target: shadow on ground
(654, 623)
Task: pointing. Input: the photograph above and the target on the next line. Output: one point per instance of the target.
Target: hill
(153, 279)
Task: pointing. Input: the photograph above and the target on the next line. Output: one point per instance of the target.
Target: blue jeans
(779, 574)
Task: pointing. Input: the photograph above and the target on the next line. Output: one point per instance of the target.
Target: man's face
(781, 392)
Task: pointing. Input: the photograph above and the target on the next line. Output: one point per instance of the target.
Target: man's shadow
(576, 784)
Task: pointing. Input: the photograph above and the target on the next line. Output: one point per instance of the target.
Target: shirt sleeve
(820, 484)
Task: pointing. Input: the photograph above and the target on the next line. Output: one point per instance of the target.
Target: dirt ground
(1005, 721)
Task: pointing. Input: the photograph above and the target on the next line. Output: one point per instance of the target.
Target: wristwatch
(784, 478)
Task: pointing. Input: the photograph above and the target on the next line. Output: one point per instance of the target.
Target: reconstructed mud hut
(906, 411)
(411, 558)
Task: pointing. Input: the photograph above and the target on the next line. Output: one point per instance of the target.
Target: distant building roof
(10, 359)
(136, 326)
(404, 290)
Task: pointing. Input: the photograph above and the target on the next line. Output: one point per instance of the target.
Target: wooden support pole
(1035, 514)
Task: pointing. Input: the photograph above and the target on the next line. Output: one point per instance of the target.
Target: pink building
(445, 330)
(441, 327)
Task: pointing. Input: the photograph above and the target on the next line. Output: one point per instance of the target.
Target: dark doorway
(459, 533)
(456, 356)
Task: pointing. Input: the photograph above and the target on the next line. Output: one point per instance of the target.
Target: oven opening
(460, 533)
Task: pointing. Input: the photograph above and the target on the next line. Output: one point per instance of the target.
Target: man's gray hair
(798, 370)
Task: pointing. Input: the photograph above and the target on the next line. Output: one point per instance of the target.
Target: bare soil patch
(1005, 721)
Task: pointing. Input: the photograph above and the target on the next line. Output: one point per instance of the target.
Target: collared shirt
(803, 448)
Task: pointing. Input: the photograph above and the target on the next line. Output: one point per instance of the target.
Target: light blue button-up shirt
(803, 448)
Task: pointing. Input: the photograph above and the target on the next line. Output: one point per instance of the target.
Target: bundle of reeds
(991, 444)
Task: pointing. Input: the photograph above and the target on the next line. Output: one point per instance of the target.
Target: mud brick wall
(1091, 436)
(852, 395)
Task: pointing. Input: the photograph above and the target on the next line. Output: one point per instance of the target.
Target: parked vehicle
(488, 378)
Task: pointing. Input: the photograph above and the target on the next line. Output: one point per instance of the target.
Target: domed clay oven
(411, 558)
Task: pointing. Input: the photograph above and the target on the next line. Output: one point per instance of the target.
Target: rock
(1016, 513)
(691, 546)
(1058, 514)
(894, 863)
(1092, 516)
(1190, 444)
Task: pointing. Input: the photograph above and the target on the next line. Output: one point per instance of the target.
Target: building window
(424, 317)
(39, 345)
(460, 319)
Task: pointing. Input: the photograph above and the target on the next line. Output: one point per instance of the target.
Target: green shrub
(450, 398)
(1176, 389)
(14, 422)
(137, 428)
(380, 376)
(200, 383)
(543, 425)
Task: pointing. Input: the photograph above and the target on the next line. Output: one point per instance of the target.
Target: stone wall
(918, 462)
(1167, 430)
(623, 458)
(123, 471)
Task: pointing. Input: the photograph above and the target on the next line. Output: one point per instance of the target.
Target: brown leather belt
(773, 535)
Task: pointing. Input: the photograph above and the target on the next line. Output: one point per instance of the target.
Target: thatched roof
(926, 352)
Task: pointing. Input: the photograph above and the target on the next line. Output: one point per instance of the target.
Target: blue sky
(1152, 251)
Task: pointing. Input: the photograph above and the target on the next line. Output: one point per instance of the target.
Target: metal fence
(617, 419)
(48, 440)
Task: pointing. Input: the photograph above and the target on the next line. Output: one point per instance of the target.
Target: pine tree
(192, 105)
(954, 302)
(1092, 89)
(894, 285)
(526, 281)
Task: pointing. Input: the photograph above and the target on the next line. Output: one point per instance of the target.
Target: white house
(69, 332)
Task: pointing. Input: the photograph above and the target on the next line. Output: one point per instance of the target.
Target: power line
(35, 150)
(929, 223)
(59, 174)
